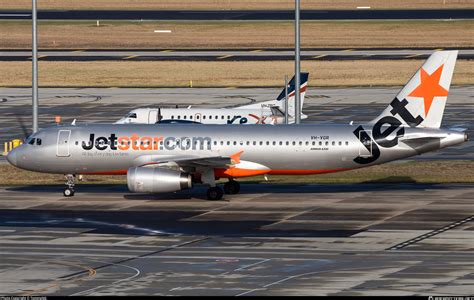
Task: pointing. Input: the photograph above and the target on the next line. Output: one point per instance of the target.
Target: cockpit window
(31, 141)
(132, 115)
(38, 142)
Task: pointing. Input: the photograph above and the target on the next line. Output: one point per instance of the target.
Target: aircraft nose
(11, 157)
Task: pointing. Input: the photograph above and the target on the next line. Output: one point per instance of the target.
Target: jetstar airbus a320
(168, 158)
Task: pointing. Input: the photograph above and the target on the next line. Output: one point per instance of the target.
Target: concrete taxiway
(366, 239)
(322, 105)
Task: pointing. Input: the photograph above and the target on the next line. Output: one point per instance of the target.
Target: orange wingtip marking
(236, 157)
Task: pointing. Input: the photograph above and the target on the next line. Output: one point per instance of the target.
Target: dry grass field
(218, 73)
(415, 171)
(232, 5)
(192, 35)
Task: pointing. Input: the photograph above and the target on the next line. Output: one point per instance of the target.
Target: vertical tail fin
(291, 93)
(421, 102)
(281, 97)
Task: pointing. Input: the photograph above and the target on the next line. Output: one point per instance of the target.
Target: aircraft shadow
(185, 219)
(199, 191)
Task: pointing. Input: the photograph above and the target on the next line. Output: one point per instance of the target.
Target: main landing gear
(214, 193)
(231, 187)
(70, 183)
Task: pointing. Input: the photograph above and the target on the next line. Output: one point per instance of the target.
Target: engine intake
(157, 180)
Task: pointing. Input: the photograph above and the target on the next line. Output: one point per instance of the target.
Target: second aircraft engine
(157, 180)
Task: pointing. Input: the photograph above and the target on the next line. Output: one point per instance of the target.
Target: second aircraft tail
(279, 101)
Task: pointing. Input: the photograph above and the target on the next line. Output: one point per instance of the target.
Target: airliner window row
(234, 143)
(198, 116)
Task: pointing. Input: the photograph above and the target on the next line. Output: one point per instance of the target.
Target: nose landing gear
(70, 183)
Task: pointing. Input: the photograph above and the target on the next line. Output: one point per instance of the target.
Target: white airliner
(268, 112)
(172, 157)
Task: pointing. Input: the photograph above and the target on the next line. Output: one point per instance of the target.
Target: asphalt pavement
(226, 54)
(244, 15)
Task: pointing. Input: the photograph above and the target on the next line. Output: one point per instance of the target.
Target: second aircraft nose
(11, 157)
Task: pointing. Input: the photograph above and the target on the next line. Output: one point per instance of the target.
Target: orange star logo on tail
(429, 88)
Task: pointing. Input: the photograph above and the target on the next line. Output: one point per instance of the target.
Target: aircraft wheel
(68, 192)
(214, 193)
(232, 187)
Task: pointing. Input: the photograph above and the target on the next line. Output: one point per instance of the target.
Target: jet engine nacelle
(157, 180)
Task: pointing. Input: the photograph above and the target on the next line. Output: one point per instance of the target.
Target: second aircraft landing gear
(232, 187)
(215, 193)
(70, 183)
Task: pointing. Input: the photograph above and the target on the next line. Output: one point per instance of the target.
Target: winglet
(235, 158)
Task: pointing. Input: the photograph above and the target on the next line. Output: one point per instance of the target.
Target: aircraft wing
(186, 161)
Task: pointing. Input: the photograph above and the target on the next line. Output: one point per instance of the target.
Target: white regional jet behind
(169, 158)
(268, 112)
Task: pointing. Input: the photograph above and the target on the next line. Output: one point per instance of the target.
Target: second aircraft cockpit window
(34, 141)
